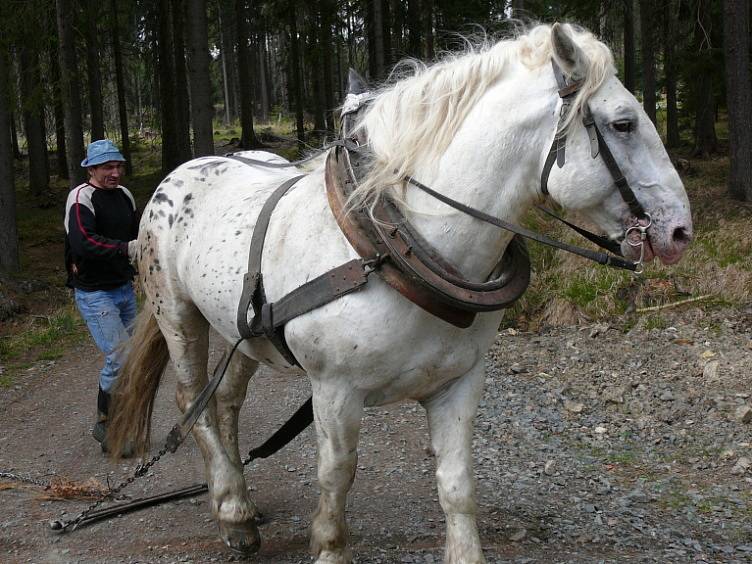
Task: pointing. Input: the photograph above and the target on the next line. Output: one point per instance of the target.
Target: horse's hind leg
(450, 418)
(230, 395)
(338, 418)
(187, 335)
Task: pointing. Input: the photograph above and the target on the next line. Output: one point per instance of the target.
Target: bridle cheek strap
(598, 145)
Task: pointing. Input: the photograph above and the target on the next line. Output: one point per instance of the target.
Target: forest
(184, 78)
(616, 418)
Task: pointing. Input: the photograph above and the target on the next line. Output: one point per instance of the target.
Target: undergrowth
(39, 338)
(716, 269)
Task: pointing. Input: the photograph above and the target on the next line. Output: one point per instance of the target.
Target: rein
(600, 258)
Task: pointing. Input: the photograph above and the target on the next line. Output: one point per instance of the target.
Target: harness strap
(621, 182)
(287, 432)
(253, 284)
(315, 293)
(269, 319)
(348, 143)
(253, 293)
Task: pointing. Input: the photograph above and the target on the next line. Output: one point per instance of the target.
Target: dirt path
(593, 445)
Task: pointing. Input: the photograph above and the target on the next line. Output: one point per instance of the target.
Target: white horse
(478, 127)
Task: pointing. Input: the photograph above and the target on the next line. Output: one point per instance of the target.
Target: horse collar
(408, 263)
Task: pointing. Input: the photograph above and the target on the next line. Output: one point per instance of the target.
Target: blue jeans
(109, 315)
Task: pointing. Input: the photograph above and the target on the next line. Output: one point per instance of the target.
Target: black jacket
(98, 225)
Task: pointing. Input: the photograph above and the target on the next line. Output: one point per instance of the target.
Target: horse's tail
(129, 423)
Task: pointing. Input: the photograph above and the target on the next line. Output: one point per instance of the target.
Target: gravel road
(593, 444)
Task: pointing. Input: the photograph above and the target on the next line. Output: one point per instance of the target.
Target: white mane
(416, 118)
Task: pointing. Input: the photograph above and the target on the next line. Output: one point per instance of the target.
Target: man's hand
(133, 251)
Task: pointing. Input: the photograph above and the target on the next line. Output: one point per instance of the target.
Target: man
(101, 225)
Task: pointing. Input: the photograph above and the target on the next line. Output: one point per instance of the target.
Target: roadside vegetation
(715, 271)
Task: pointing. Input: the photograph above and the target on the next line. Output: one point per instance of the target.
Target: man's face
(106, 175)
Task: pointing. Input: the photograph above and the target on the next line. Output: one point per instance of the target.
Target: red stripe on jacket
(81, 227)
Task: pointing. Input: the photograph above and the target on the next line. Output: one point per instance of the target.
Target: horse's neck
(493, 167)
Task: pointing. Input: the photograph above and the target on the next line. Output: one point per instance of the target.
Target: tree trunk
(629, 46)
(14, 138)
(295, 78)
(32, 95)
(738, 97)
(603, 17)
(202, 110)
(183, 111)
(669, 66)
(228, 61)
(414, 28)
(313, 62)
(125, 142)
(8, 231)
(171, 156)
(327, 9)
(398, 21)
(648, 58)
(269, 69)
(428, 28)
(386, 34)
(92, 70)
(247, 135)
(706, 142)
(74, 134)
(338, 58)
(57, 103)
(370, 37)
(263, 72)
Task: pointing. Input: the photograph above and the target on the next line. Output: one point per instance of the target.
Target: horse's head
(585, 184)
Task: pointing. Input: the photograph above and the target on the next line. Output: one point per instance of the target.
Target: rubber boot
(100, 426)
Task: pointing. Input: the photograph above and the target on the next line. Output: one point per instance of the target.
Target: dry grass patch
(569, 290)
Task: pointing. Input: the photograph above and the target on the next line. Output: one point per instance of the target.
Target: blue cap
(101, 151)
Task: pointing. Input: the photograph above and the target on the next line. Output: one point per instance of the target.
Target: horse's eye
(623, 126)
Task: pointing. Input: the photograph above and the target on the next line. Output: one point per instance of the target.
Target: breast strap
(269, 319)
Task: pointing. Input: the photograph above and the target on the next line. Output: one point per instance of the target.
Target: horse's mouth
(631, 249)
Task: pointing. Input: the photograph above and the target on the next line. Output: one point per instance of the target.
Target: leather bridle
(598, 146)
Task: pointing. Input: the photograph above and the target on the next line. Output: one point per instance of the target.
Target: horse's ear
(356, 84)
(567, 53)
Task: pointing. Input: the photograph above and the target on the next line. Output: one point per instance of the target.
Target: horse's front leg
(450, 419)
(338, 411)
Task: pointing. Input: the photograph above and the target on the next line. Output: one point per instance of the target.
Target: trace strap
(301, 419)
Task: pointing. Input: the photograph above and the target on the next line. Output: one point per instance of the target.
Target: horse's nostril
(682, 235)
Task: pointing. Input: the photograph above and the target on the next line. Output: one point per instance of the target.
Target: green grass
(655, 322)
(624, 458)
(566, 290)
(43, 338)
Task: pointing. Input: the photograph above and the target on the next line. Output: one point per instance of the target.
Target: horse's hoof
(241, 538)
(343, 556)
